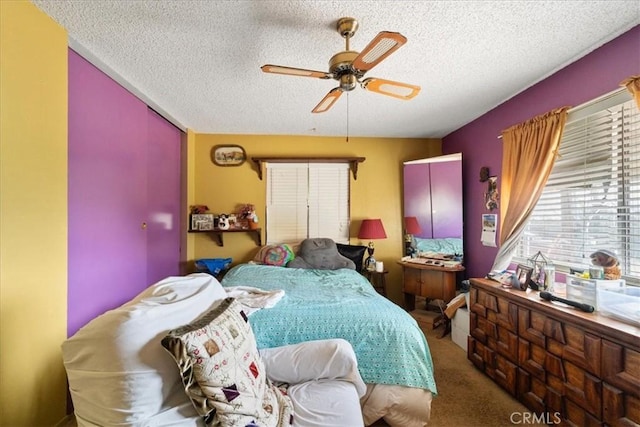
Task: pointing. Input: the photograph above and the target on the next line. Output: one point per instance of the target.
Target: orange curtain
(529, 152)
(633, 85)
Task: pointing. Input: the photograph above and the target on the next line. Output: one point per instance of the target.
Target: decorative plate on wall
(228, 155)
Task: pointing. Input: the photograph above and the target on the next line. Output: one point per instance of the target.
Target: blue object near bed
(321, 304)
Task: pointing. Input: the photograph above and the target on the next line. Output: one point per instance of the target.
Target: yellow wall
(33, 215)
(377, 192)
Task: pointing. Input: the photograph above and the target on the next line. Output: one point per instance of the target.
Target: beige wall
(377, 192)
(33, 215)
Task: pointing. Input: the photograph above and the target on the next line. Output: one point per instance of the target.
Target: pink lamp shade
(372, 229)
(411, 225)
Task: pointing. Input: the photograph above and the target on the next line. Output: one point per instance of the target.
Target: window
(307, 200)
(592, 198)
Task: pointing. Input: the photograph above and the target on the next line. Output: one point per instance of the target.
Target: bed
(393, 355)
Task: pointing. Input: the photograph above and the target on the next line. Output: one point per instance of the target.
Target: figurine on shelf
(198, 209)
(253, 221)
(248, 213)
(223, 222)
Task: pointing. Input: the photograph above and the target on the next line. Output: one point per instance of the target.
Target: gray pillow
(320, 253)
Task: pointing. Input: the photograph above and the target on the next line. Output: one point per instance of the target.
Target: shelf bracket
(217, 234)
(353, 162)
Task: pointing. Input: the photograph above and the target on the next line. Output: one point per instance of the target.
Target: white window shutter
(307, 200)
(329, 201)
(287, 189)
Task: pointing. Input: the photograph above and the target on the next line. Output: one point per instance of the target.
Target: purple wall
(594, 75)
(113, 192)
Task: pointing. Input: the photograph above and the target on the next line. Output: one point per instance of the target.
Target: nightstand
(378, 280)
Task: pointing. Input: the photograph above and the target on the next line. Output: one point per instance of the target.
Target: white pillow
(118, 371)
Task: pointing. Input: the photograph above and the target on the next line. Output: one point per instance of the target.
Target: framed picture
(523, 274)
(228, 155)
(202, 222)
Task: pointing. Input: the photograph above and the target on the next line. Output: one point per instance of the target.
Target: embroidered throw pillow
(223, 372)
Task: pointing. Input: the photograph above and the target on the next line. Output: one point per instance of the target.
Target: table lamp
(411, 228)
(371, 229)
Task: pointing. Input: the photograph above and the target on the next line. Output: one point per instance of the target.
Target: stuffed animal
(609, 262)
(223, 222)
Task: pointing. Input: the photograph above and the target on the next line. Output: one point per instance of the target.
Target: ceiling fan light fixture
(348, 67)
(348, 82)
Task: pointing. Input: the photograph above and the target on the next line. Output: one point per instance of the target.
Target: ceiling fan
(348, 67)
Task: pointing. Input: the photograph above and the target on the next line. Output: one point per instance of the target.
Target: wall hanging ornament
(491, 196)
(484, 174)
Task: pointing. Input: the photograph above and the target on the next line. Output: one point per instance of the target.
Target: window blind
(307, 200)
(592, 198)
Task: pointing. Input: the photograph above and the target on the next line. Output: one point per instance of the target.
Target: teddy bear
(223, 222)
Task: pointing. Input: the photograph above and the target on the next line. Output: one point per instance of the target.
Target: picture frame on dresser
(523, 274)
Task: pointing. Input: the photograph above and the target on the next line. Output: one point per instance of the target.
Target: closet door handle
(144, 226)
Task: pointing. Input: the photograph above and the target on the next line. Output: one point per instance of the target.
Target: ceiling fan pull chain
(347, 116)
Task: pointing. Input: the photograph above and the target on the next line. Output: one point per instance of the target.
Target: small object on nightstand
(378, 280)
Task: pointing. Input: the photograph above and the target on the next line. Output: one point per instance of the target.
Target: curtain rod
(612, 98)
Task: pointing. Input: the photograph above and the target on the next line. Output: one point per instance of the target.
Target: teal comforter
(322, 304)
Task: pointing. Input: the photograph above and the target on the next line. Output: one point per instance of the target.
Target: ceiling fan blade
(290, 71)
(390, 88)
(383, 45)
(328, 101)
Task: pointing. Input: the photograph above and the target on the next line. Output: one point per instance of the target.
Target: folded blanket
(253, 299)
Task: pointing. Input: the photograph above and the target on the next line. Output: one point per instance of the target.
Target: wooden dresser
(429, 281)
(556, 359)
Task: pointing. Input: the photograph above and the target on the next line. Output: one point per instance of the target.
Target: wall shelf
(353, 162)
(219, 233)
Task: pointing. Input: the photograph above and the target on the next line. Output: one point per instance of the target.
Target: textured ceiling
(199, 61)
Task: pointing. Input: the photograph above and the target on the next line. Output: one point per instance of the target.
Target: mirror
(433, 196)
